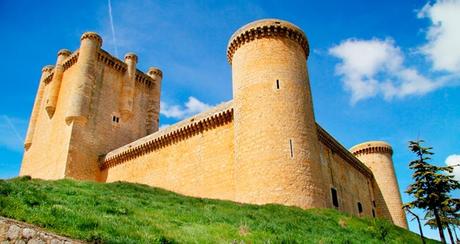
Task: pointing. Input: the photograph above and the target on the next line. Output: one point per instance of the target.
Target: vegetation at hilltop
(133, 213)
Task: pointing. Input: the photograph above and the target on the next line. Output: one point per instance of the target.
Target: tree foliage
(432, 187)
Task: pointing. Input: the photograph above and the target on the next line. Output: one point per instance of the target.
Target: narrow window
(113, 118)
(373, 213)
(360, 207)
(291, 147)
(277, 84)
(335, 201)
(373, 203)
(118, 119)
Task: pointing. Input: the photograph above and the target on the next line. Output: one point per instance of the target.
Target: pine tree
(432, 186)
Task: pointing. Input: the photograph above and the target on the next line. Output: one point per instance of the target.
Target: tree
(432, 186)
(449, 218)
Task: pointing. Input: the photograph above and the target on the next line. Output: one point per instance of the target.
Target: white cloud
(12, 131)
(376, 67)
(191, 107)
(443, 35)
(452, 160)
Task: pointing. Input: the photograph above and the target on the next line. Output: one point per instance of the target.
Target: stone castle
(96, 118)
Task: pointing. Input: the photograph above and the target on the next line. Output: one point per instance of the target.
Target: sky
(379, 70)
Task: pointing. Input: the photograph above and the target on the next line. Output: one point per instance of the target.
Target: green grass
(132, 213)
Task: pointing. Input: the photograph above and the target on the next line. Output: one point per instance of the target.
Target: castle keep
(96, 118)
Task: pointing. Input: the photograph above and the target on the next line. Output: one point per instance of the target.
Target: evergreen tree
(432, 186)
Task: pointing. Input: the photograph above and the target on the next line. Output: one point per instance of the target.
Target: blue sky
(379, 70)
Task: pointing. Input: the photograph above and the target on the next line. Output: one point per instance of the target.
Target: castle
(96, 118)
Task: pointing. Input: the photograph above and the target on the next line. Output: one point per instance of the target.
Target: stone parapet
(266, 28)
(207, 120)
(372, 147)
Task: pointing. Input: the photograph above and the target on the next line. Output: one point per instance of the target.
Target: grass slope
(132, 213)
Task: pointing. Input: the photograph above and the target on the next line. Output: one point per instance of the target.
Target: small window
(360, 207)
(335, 200)
(277, 84)
(373, 213)
(291, 147)
(115, 119)
(373, 203)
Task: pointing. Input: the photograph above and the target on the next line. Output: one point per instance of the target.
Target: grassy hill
(132, 213)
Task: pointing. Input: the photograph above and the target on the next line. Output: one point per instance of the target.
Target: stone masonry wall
(12, 231)
(202, 165)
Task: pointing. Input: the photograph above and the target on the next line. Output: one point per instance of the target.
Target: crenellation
(264, 146)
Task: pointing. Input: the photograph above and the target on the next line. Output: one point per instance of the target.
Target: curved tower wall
(276, 144)
(153, 116)
(85, 78)
(129, 82)
(377, 155)
(46, 71)
(55, 84)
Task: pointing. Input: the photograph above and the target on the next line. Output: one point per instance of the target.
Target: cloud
(452, 160)
(191, 107)
(376, 67)
(12, 131)
(443, 36)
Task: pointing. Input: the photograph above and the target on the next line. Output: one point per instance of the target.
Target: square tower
(88, 104)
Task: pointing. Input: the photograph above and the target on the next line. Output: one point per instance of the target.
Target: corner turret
(153, 116)
(377, 155)
(55, 84)
(90, 44)
(46, 71)
(127, 93)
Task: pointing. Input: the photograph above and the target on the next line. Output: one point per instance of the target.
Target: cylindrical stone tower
(37, 106)
(84, 78)
(55, 84)
(127, 93)
(154, 110)
(377, 155)
(276, 144)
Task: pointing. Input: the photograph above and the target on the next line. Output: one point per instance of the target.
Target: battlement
(266, 28)
(110, 61)
(371, 147)
(212, 118)
(93, 36)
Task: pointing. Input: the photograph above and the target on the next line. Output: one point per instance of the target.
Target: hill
(132, 213)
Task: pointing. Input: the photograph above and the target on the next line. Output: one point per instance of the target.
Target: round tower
(276, 143)
(55, 84)
(90, 44)
(127, 94)
(377, 156)
(154, 114)
(46, 71)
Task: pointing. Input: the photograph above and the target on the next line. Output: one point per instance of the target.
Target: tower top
(48, 68)
(132, 56)
(93, 36)
(266, 28)
(155, 71)
(372, 147)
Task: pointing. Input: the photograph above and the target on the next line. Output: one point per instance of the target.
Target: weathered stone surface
(21, 233)
(28, 233)
(13, 232)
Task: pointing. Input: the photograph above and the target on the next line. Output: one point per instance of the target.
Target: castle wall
(352, 186)
(200, 162)
(196, 163)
